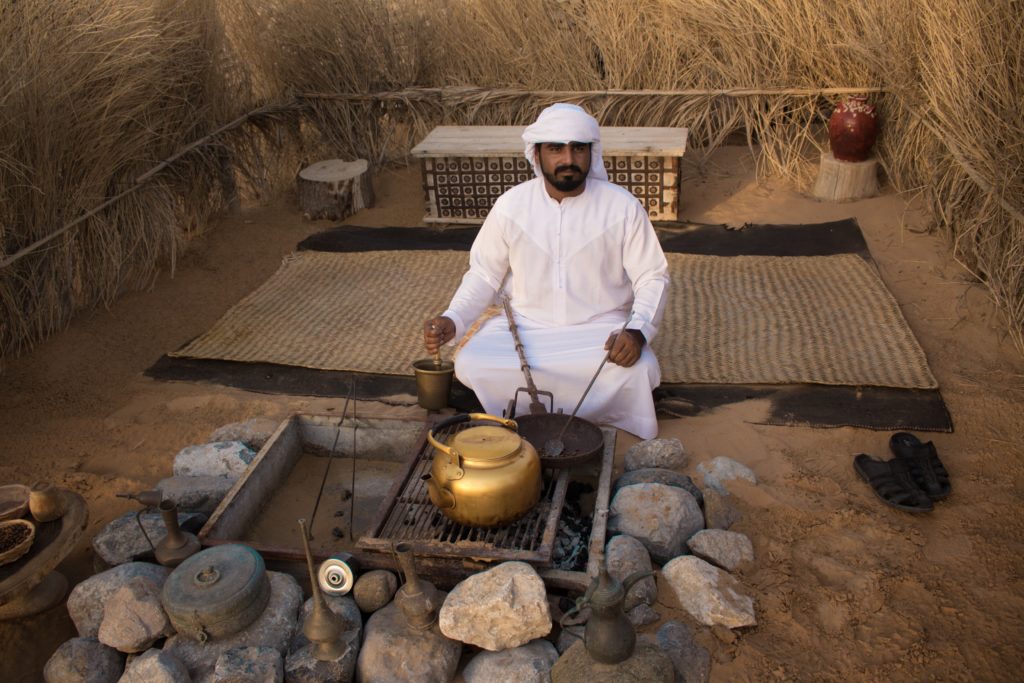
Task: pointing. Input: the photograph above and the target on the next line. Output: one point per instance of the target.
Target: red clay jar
(852, 129)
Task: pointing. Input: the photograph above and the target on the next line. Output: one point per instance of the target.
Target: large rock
(218, 459)
(723, 469)
(648, 664)
(659, 516)
(301, 666)
(719, 510)
(253, 433)
(374, 589)
(83, 660)
(691, 661)
(727, 549)
(155, 666)
(88, 600)
(658, 475)
(530, 663)
(273, 628)
(195, 494)
(497, 609)
(626, 555)
(249, 665)
(666, 453)
(392, 651)
(710, 595)
(134, 617)
(343, 606)
(122, 541)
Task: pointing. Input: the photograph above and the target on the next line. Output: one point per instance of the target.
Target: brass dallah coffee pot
(609, 636)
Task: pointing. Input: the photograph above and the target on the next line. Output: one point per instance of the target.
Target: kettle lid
(486, 443)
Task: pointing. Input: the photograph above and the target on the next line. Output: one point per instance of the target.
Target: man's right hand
(437, 331)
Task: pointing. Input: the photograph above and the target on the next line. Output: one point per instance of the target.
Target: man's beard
(565, 184)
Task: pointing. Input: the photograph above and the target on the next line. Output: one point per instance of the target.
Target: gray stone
(87, 600)
(155, 666)
(625, 555)
(302, 666)
(392, 651)
(708, 594)
(249, 665)
(642, 615)
(195, 494)
(84, 660)
(530, 663)
(648, 664)
(658, 475)
(497, 609)
(666, 453)
(374, 589)
(719, 510)
(691, 661)
(218, 459)
(134, 617)
(661, 517)
(721, 470)
(727, 549)
(253, 433)
(273, 628)
(122, 541)
(342, 605)
(567, 637)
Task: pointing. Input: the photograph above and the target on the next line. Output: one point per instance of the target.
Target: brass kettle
(486, 475)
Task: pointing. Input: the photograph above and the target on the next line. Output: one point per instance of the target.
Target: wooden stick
(510, 92)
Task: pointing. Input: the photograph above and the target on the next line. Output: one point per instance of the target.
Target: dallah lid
(566, 123)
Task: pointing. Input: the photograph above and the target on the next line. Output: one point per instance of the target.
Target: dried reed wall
(97, 92)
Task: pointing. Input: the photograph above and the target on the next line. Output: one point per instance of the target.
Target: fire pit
(388, 458)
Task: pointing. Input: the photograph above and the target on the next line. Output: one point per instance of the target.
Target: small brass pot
(433, 383)
(485, 476)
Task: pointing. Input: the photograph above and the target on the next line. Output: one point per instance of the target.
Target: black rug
(810, 405)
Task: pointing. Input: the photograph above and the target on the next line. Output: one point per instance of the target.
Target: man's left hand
(625, 347)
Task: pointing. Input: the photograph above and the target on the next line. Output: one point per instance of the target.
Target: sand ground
(847, 589)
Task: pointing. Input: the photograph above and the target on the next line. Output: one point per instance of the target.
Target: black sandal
(926, 469)
(892, 483)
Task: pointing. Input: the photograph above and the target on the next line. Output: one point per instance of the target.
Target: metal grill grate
(407, 515)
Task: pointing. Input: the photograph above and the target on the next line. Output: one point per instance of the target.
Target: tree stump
(334, 189)
(846, 180)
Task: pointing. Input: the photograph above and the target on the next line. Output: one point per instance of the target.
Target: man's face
(565, 166)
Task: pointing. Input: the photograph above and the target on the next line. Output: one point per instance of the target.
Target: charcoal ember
(572, 540)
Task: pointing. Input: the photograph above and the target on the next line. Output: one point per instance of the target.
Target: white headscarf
(565, 123)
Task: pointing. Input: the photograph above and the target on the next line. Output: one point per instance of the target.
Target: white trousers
(562, 360)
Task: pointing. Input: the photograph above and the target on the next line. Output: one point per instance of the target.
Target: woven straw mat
(362, 312)
(729, 320)
(785, 320)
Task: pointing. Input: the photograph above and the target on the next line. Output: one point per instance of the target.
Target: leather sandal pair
(912, 480)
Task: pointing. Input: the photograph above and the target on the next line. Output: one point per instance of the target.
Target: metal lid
(486, 443)
(216, 577)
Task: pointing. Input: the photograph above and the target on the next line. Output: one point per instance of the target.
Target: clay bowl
(16, 536)
(13, 501)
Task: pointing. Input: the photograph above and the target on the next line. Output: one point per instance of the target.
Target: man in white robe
(578, 257)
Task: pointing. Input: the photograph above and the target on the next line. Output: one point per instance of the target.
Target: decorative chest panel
(466, 168)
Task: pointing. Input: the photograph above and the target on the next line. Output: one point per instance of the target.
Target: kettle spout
(439, 494)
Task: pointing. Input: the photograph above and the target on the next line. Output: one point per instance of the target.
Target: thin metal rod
(330, 457)
(352, 480)
(593, 379)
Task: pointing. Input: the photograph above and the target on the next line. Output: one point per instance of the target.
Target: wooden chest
(466, 168)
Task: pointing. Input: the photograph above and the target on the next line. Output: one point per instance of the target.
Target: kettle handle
(453, 455)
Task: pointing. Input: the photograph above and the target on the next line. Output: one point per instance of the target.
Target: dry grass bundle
(94, 93)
